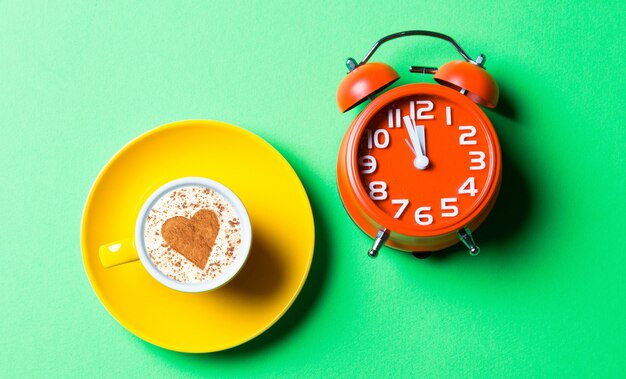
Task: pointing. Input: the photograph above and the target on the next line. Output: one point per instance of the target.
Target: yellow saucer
(282, 247)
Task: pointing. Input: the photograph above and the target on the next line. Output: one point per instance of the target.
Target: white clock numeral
(403, 204)
(463, 139)
(448, 210)
(480, 160)
(379, 142)
(380, 138)
(393, 122)
(378, 190)
(469, 187)
(448, 115)
(423, 218)
(368, 164)
(420, 111)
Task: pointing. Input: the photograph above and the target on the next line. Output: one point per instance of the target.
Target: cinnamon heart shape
(192, 238)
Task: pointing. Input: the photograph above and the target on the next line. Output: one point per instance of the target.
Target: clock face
(427, 162)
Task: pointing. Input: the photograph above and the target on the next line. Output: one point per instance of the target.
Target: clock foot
(466, 237)
(381, 238)
(421, 254)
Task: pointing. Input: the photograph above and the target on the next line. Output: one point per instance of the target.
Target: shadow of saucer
(305, 301)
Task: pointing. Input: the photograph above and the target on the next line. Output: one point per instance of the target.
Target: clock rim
(368, 206)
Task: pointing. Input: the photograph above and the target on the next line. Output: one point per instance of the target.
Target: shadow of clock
(513, 207)
(505, 106)
(511, 212)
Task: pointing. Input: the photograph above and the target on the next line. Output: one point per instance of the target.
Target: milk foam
(185, 202)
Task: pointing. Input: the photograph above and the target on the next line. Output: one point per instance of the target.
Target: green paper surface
(547, 295)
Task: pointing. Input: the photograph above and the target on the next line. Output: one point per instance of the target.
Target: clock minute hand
(421, 161)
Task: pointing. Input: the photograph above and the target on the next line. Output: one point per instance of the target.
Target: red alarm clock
(419, 169)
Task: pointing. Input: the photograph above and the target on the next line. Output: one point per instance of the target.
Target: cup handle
(117, 253)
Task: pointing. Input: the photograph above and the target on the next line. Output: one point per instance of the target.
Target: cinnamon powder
(192, 238)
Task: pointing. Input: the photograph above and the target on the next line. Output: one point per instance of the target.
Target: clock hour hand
(417, 146)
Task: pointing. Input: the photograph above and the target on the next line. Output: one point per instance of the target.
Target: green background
(547, 297)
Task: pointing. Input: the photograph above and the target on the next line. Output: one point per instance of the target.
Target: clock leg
(381, 237)
(466, 237)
